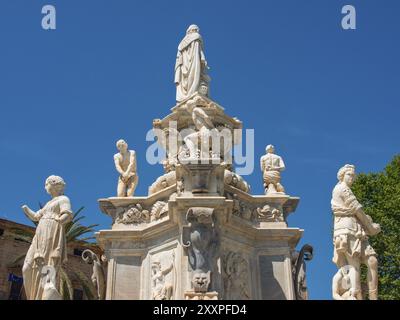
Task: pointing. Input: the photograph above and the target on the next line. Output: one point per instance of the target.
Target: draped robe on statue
(48, 245)
(189, 67)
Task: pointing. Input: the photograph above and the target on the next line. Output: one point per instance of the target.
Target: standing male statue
(271, 166)
(350, 237)
(125, 163)
(48, 250)
(191, 66)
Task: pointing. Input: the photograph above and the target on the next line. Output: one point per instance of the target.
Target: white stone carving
(199, 143)
(163, 182)
(99, 273)
(49, 285)
(125, 164)
(236, 277)
(342, 288)
(191, 66)
(201, 241)
(272, 165)
(236, 181)
(269, 213)
(48, 246)
(210, 206)
(352, 227)
(161, 288)
(134, 214)
(159, 209)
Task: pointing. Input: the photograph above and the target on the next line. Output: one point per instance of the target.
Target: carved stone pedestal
(220, 244)
(191, 295)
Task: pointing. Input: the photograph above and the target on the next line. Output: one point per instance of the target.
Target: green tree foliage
(379, 193)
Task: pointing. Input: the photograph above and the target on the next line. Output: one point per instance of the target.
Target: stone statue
(341, 285)
(162, 290)
(49, 285)
(236, 277)
(49, 247)
(197, 141)
(235, 180)
(350, 237)
(125, 163)
(191, 66)
(98, 272)
(272, 165)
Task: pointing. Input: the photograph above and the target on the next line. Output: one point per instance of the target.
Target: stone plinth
(224, 244)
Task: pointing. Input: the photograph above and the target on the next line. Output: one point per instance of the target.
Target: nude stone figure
(125, 163)
(271, 166)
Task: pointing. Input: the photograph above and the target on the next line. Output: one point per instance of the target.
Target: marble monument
(199, 234)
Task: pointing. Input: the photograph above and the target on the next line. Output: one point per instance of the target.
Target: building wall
(13, 245)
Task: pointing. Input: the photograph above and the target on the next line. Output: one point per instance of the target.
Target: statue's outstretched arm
(168, 270)
(32, 215)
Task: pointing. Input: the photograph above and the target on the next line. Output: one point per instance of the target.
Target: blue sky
(322, 95)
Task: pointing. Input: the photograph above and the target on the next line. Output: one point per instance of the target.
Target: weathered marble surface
(48, 248)
(200, 234)
(272, 165)
(352, 227)
(125, 164)
(191, 65)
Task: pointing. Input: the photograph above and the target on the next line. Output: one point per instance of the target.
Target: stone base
(191, 295)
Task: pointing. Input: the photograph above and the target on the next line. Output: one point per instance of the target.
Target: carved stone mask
(201, 281)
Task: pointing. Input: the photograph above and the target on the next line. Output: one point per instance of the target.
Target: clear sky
(322, 95)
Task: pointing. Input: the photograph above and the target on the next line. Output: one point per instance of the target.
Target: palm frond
(79, 210)
(87, 285)
(27, 234)
(17, 261)
(87, 239)
(66, 288)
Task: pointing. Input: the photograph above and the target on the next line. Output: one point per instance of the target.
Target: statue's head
(55, 185)
(193, 28)
(122, 145)
(156, 266)
(270, 148)
(347, 174)
(164, 183)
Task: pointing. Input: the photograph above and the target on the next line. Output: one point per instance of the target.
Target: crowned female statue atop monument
(191, 65)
